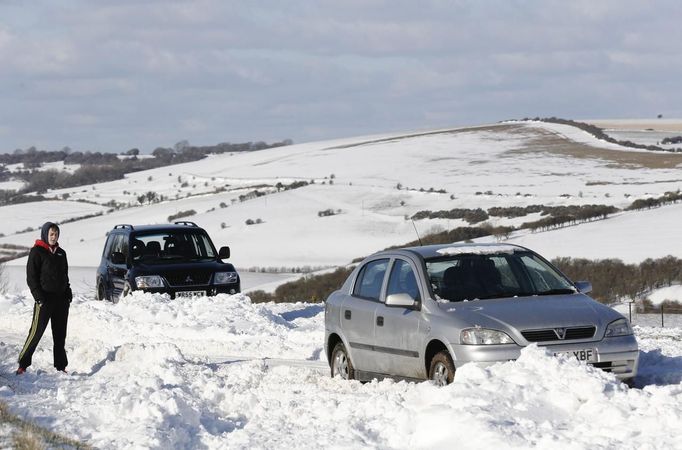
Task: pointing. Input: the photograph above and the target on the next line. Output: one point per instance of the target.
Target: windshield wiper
(557, 291)
(549, 292)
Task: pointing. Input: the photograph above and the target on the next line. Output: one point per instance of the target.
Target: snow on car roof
(477, 249)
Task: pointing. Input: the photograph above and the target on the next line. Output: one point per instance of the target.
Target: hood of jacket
(46, 229)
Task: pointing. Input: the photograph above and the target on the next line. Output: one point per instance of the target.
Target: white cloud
(377, 65)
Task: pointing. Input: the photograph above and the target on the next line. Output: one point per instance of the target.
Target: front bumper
(210, 290)
(618, 355)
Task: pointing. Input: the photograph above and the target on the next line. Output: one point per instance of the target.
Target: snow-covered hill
(374, 184)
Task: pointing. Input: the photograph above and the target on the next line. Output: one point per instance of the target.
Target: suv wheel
(442, 369)
(101, 291)
(341, 365)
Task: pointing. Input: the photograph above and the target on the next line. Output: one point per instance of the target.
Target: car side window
(120, 245)
(370, 279)
(403, 280)
(109, 245)
(113, 246)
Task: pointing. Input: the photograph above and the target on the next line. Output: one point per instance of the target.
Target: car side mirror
(401, 300)
(118, 258)
(224, 252)
(584, 287)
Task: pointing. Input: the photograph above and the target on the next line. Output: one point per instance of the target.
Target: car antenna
(417, 232)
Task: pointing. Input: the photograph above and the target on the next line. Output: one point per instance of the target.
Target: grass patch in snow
(26, 435)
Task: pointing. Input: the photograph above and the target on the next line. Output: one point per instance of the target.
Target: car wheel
(341, 365)
(442, 369)
(101, 291)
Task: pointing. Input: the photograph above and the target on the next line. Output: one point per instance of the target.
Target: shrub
(328, 212)
(613, 280)
(315, 288)
(180, 214)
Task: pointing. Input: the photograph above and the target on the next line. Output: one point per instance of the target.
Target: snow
(33, 215)
(670, 293)
(632, 237)
(222, 372)
(482, 167)
(478, 250)
(11, 185)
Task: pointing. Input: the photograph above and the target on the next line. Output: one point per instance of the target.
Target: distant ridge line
(424, 133)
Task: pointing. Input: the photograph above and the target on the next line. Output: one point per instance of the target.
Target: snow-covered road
(221, 372)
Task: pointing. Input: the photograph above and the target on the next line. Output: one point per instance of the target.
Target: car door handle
(346, 314)
(380, 321)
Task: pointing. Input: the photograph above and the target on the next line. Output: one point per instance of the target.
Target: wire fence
(662, 316)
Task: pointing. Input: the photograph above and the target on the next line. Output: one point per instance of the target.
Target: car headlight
(225, 277)
(620, 327)
(149, 281)
(484, 336)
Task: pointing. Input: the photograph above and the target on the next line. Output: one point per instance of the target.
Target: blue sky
(114, 75)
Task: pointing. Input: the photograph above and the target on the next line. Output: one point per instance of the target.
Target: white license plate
(190, 293)
(585, 354)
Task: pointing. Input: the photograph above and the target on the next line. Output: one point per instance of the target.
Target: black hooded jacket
(47, 270)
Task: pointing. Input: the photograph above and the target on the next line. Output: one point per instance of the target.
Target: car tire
(341, 365)
(101, 291)
(442, 369)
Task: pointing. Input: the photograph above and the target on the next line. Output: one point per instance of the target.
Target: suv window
(119, 243)
(171, 246)
(370, 279)
(402, 280)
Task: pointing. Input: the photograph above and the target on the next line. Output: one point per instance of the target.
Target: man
(47, 275)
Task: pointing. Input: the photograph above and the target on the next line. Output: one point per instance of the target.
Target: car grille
(188, 278)
(552, 334)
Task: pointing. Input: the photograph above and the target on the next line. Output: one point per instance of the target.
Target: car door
(397, 329)
(357, 314)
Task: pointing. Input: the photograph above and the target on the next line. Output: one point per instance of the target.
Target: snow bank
(150, 372)
(671, 293)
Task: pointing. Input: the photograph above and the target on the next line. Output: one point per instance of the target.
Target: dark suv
(178, 259)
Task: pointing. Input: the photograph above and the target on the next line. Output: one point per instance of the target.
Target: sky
(116, 75)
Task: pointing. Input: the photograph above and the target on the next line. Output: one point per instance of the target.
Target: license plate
(585, 354)
(190, 293)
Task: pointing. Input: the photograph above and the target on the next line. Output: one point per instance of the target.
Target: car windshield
(483, 276)
(170, 246)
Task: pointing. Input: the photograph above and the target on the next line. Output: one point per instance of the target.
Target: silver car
(421, 312)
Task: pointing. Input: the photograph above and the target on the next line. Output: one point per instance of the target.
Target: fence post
(630, 311)
(662, 325)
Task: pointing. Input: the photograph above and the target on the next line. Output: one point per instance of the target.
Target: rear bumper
(619, 355)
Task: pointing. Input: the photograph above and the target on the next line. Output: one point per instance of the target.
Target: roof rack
(124, 225)
(186, 223)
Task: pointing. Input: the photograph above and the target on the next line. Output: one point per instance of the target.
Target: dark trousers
(57, 313)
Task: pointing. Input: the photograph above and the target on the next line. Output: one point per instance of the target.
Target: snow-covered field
(509, 164)
(221, 372)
